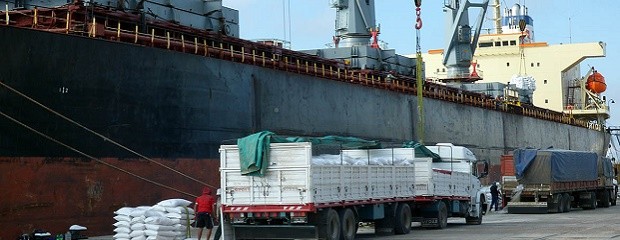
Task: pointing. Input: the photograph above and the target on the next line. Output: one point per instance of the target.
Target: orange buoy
(596, 83)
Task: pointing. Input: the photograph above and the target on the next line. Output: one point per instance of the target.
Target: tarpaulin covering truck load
(310, 189)
(558, 180)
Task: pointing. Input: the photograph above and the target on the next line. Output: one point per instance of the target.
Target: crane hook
(418, 21)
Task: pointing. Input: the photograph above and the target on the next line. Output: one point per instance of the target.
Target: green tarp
(254, 153)
(421, 150)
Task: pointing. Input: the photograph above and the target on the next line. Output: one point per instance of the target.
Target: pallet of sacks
(167, 220)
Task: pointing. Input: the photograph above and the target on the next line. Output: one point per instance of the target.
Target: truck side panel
(286, 181)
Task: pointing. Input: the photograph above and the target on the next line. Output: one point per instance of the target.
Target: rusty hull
(55, 193)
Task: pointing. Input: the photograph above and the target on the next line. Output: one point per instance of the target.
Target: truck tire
(402, 223)
(567, 202)
(348, 222)
(592, 201)
(605, 199)
(329, 225)
(614, 197)
(442, 215)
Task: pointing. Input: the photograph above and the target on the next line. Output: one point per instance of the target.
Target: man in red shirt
(204, 211)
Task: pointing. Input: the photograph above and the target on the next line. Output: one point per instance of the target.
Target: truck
(312, 192)
(556, 180)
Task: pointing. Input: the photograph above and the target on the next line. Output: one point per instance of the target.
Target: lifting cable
(91, 157)
(101, 136)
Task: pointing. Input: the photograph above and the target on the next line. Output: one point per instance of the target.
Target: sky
(310, 25)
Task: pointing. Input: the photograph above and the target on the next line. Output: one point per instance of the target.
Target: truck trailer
(310, 192)
(555, 180)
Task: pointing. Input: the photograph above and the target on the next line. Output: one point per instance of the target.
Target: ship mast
(497, 18)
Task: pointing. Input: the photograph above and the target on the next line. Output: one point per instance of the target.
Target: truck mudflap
(275, 231)
(527, 207)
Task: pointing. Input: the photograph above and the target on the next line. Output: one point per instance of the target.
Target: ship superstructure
(555, 69)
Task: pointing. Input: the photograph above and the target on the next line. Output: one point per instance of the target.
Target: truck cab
(459, 158)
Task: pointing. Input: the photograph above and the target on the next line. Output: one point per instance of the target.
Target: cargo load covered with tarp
(254, 149)
(547, 166)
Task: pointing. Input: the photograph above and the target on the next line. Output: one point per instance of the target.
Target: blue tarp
(522, 160)
(552, 165)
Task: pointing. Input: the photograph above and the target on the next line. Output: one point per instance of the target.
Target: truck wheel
(567, 202)
(329, 225)
(348, 223)
(442, 215)
(605, 199)
(592, 202)
(402, 223)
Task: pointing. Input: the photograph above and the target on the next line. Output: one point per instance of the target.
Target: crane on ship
(461, 43)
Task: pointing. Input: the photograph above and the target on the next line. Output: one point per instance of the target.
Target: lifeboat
(596, 83)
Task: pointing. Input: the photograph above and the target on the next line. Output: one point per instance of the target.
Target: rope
(91, 157)
(102, 136)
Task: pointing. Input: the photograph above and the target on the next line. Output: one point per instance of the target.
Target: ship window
(545, 82)
(443, 70)
(538, 64)
(546, 100)
(505, 43)
(437, 69)
(485, 44)
(507, 64)
(497, 44)
(513, 42)
(532, 64)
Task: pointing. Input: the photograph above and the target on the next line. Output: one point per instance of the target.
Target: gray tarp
(547, 166)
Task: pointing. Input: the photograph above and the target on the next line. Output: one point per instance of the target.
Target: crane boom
(461, 45)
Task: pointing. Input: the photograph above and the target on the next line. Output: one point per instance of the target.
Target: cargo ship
(108, 104)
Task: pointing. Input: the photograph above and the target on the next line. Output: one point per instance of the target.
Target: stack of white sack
(167, 220)
(123, 222)
(401, 156)
(326, 159)
(524, 82)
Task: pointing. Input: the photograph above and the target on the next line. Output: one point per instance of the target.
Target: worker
(494, 196)
(204, 212)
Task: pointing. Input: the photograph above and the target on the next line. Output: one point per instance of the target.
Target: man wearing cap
(204, 211)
